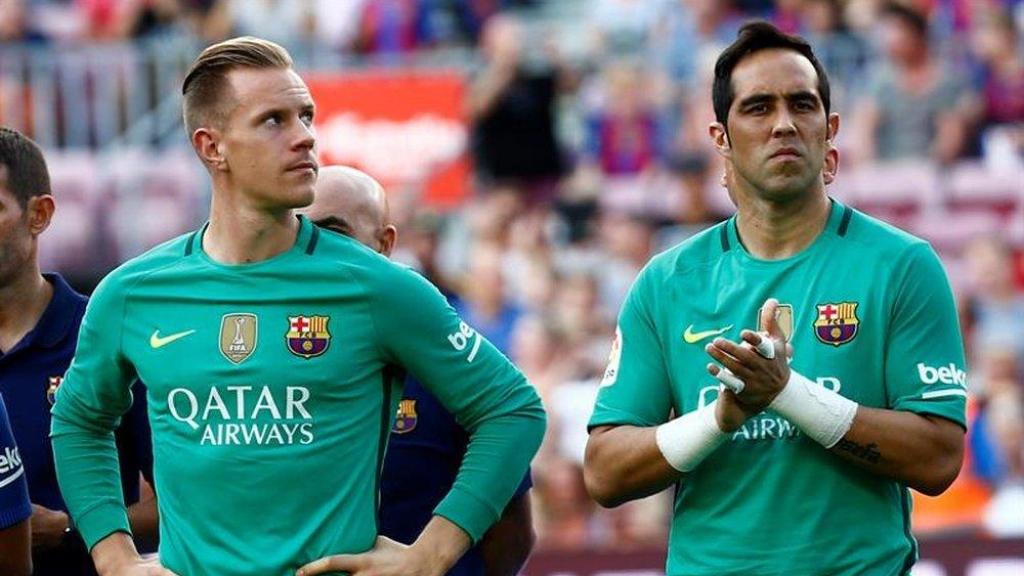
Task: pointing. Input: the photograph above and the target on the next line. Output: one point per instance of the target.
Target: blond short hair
(203, 90)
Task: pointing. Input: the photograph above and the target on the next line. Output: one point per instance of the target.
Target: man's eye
(307, 118)
(273, 120)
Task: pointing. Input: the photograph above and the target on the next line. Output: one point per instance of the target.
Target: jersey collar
(58, 318)
(838, 220)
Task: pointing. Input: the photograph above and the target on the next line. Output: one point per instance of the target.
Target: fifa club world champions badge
(307, 335)
(837, 323)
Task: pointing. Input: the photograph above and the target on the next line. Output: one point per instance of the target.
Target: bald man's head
(351, 202)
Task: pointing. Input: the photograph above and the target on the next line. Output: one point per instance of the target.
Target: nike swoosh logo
(155, 341)
(692, 337)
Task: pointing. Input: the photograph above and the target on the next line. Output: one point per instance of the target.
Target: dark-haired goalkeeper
(780, 468)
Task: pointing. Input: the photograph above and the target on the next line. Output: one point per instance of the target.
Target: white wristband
(822, 414)
(688, 439)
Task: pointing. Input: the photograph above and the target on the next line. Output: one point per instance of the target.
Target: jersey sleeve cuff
(954, 410)
(100, 522)
(469, 512)
(614, 417)
(13, 516)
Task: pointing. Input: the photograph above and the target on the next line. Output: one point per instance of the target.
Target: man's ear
(831, 165)
(720, 139)
(207, 144)
(388, 239)
(833, 127)
(40, 211)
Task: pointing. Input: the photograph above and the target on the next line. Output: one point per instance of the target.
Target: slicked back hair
(754, 37)
(205, 85)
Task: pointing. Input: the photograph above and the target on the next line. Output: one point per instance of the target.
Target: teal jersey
(870, 313)
(271, 392)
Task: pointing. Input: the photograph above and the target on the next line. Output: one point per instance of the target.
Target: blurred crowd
(592, 155)
(365, 26)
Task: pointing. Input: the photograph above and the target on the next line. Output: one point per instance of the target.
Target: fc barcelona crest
(307, 335)
(837, 323)
(238, 335)
(51, 390)
(405, 420)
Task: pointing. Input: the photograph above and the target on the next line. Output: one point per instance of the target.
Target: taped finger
(730, 381)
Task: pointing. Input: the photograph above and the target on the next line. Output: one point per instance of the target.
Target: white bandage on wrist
(688, 439)
(820, 413)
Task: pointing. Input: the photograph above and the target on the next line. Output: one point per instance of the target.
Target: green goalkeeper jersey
(870, 313)
(271, 392)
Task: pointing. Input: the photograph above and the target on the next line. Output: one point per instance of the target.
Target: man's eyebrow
(802, 95)
(334, 223)
(756, 99)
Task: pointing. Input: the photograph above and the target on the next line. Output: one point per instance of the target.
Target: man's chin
(301, 198)
(787, 187)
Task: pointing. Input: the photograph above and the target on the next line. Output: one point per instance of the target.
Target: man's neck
(772, 230)
(240, 234)
(22, 303)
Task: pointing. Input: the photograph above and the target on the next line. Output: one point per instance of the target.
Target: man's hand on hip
(48, 527)
(385, 559)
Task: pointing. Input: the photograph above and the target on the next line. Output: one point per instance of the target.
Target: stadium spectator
(999, 114)
(388, 27)
(286, 22)
(470, 16)
(995, 305)
(623, 27)
(39, 320)
(625, 136)
(687, 28)
(483, 300)
(16, 26)
(916, 106)
(512, 108)
(565, 518)
(843, 53)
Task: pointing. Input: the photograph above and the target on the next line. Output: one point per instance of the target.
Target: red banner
(408, 129)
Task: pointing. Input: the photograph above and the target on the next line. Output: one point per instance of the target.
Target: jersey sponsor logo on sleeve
(942, 375)
(308, 336)
(51, 388)
(691, 337)
(461, 339)
(406, 418)
(837, 322)
(10, 465)
(614, 357)
(238, 336)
